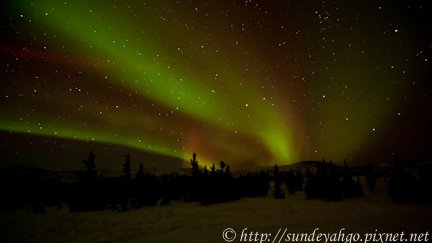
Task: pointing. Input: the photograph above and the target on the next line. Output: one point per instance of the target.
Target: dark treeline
(331, 183)
(38, 189)
(410, 183)
(93, 191)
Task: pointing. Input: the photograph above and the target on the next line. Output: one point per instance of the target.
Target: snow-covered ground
(190, 222)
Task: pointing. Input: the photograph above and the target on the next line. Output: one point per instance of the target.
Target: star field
(248, 82)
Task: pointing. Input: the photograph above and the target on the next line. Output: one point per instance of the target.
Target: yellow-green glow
(111, 37)
(246, 83)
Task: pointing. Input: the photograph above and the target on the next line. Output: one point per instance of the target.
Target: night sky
(248, 82)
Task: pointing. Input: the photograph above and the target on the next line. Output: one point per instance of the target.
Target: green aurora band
(157, 81)
(113, 38)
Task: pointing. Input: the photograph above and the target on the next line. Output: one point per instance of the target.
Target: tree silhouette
(312, 186)
(299, 181)
(290, 181)
(140, 174)
(127, 168)
(89, 194)
(195, 167)
(124, 193)
(222, 166)
(90, 166)
(212, 169)
(358, 192)
(277, 192)
(401, 185)
(348, 185)
(228, 171)
(370, 177)
(254, 185)
(194, 184)
(331, 185)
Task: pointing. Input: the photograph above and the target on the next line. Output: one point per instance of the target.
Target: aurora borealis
(247, 82)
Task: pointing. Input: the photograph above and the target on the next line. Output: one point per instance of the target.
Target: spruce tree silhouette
(254, 185)
(313, 182)
(331, 187)
(213, 170)
(127, 168)
(90, 166)
(89, 194)
(370, 177)
(290, 181)
(139, 188)
(299, 181)
(277, 192)
(195, 167)
(348, 185)
(228, 171)
(222, 166)
(140, 174)
(401, 185)
(410, 182)
(358, 188)
(194, 185)
(395, 181)
(124, 193)
(165, 190)
(205, 171)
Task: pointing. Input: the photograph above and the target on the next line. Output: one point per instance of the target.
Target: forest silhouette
(36, 190)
